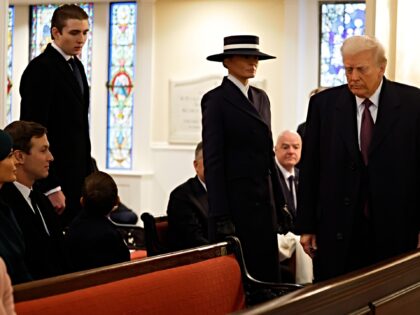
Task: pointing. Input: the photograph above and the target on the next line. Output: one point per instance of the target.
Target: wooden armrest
(258, 291)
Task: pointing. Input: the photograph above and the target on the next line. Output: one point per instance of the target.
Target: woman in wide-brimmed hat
(239, 159)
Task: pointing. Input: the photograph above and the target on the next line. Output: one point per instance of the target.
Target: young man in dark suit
(34, 213)
(360, 176)
(55, 93)
(239, 158)
(188, 209)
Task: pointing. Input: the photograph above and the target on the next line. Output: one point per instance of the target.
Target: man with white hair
(288, 150)
(358, 194)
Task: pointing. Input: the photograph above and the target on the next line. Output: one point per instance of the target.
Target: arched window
(122, 53)
(10, 29)
(338, 21)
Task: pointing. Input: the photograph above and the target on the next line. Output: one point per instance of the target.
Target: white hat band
(240, 46)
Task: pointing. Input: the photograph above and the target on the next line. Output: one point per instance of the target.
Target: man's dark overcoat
(335, 184)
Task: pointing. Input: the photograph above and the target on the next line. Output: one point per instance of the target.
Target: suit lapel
(14, 194)
(199, 197)
(286, 191)
(235, 97)
(347, 122)
(387, 114)
(65, 70)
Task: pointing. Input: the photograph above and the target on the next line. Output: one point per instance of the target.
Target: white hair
(357, 44)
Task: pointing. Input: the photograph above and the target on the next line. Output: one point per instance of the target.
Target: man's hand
(308, 242)
(58, 200)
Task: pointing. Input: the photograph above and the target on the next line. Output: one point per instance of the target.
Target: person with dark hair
(239, 159)
(188, 209)
(91, 239)
(121, 214)
(55, 93)
(33, 211)
(12, 244)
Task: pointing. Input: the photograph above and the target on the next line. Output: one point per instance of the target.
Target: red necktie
(366, 130)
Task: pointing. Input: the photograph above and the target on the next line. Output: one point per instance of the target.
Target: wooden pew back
(98, 276)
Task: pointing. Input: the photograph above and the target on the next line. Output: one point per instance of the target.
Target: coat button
(353, 166)
(339, 236)
(347, 201)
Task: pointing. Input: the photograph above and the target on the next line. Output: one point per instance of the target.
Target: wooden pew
(390, 287)
(102, 275)
(206, 279)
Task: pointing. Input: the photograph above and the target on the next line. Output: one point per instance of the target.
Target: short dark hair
(22, 133)
(100, 193)
(199, 151)
(66, 12)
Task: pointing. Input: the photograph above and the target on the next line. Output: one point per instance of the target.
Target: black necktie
(34, 203)
(250, 96)
(292, 197)
(76, 73)
(366, 129)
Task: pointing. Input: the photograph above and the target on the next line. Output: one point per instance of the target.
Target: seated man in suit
(34, 213)
(188, 208)
(288, 150)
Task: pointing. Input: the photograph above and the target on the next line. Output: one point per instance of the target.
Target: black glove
(220, 227)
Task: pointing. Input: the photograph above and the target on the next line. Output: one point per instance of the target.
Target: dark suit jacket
(44, 255)
(238, 163)
(93, 241)
(187, 215)
(334, 183)
(52, 97)
(12, 246)
(286, 193)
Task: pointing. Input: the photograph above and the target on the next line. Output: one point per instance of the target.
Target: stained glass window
(10, 29)
(122, 52)
(41, 36)
(338, 21)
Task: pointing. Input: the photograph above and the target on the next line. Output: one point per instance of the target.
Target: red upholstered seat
(213, 286)
(138, 254)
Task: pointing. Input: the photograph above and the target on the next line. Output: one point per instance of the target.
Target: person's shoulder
(183, 188)
(40, 64)
(256, 89)
(217, 91)
(404, 87)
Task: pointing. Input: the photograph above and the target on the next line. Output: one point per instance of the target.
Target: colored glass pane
(41, 36)
(122, 51)
(338, 21)
(10, 29)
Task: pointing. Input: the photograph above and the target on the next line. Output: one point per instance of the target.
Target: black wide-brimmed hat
(240, 45)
